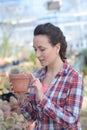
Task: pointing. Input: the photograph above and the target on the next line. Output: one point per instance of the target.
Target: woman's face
(44, 51)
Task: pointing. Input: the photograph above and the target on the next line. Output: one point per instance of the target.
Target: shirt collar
(41, 73)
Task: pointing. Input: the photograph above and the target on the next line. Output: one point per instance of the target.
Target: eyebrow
(39, 47)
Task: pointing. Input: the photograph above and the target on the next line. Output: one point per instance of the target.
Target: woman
(56, 90)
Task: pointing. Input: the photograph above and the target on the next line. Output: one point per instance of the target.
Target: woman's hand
(32, 126)
(35, 82)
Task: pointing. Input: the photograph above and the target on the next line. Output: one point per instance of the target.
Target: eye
(35, 49)
(42, 49)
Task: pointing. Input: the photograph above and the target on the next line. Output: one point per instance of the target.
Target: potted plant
(19, 79)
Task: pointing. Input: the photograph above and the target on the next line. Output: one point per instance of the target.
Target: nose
(38, 53)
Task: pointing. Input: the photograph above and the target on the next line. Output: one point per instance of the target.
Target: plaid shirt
(61, 103)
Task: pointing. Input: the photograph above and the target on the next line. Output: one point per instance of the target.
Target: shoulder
(76, 78)
(72, 73)
(75, 73)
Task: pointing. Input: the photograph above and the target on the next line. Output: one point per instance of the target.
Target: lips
(41, 60)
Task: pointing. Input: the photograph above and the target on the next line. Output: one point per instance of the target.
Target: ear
(57, 48)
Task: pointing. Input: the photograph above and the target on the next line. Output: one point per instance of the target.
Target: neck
(55, 67)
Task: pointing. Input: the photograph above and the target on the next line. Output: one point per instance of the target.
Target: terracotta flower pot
(20, 82)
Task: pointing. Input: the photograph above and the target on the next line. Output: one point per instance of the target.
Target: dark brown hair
(55, 36)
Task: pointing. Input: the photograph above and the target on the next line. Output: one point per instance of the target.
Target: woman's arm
(26, 106)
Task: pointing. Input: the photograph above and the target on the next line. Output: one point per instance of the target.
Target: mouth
(41, 60)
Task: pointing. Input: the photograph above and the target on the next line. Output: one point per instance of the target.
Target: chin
(42, 64)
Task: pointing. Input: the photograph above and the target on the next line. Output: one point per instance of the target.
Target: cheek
(50, 55)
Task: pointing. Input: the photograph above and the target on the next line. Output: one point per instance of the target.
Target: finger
(35, 82)
(33, 79)
(11, 87)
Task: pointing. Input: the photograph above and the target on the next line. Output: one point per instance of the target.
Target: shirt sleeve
(69, 113)
(27, 110)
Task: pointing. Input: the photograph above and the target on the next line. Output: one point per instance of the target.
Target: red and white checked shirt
(61, 103)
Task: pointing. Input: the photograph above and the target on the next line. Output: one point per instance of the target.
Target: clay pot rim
(12, 76)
